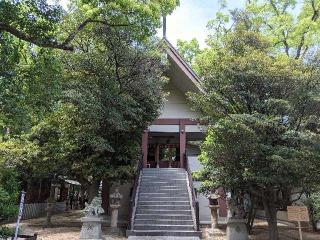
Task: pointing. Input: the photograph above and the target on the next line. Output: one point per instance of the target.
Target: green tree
(313, 202)
(112, 90)
(292, 27)
(47, 25)
(78, 112)
(9, 188)
(189, 49)
(262, 110)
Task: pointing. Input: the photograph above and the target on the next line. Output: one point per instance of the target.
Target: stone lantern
(214, 207)
(115, 199)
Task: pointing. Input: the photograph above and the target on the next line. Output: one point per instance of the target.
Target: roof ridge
(182, 60)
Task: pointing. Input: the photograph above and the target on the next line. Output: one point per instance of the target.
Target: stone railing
(194, 201)
(134, 194)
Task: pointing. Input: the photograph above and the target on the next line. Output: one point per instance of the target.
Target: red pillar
(144, 148)
(156, 155)
(182, 130)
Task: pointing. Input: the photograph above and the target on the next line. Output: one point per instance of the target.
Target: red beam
(174, 121)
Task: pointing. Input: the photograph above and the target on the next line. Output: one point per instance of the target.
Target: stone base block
(237, 229)
(91, 228)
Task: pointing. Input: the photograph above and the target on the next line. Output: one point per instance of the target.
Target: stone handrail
(134, 194)
(194, 201)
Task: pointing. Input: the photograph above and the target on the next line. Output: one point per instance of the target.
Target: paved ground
(67, 227)
(163, 238)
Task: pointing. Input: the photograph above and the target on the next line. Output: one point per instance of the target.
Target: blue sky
(189, 20)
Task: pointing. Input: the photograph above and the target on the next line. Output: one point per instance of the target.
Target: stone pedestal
(214, 216)
(237, 229)
(114, 218)
(91, 228)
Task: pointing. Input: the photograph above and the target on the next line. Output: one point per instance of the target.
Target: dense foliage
(313, 202)
(261, 104)
(9, 188)
(189, 49)
(78, 86)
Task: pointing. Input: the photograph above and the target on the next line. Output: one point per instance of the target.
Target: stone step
(162, 173)
(162, 238)
(150, 185)
(163, 181)
(173, 180)
(164, 233)
(162, 177)
(166, 207)
(165, 177)
(171, 203)
(165, 186)
(163, 216)
(158, 196)
(162, 227)
(160, 199)
(164, 211)
(168, 192)
(163, 207)
(163, 221)
(153, 173)
(163, 189)
(163, 169)
(169, 187)
(164, 194)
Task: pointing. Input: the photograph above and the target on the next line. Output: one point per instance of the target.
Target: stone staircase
(163, 206)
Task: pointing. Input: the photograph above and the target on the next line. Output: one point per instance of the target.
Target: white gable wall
(175, 105)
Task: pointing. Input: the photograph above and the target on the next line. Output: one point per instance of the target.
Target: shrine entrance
(163, 145)
(163, 155)
(163, 150)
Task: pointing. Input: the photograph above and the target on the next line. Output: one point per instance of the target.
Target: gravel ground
(67, 227)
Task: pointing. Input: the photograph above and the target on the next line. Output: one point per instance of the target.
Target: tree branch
(284, 40)
(314, 18)
(32, 39)
(54, 43)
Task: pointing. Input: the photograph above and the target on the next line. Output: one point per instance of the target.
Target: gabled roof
(183, 66)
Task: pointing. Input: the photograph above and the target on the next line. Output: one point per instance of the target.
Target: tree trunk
(250, 221)
(313, 221)
(271, 215)
(39, 193)
(105, 195)
(93, 190)
(50, 205)
(251, 214)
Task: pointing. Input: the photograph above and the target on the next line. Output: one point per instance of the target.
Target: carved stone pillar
(214, 216)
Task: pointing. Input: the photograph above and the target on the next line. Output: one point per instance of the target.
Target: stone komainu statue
(94, 208)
